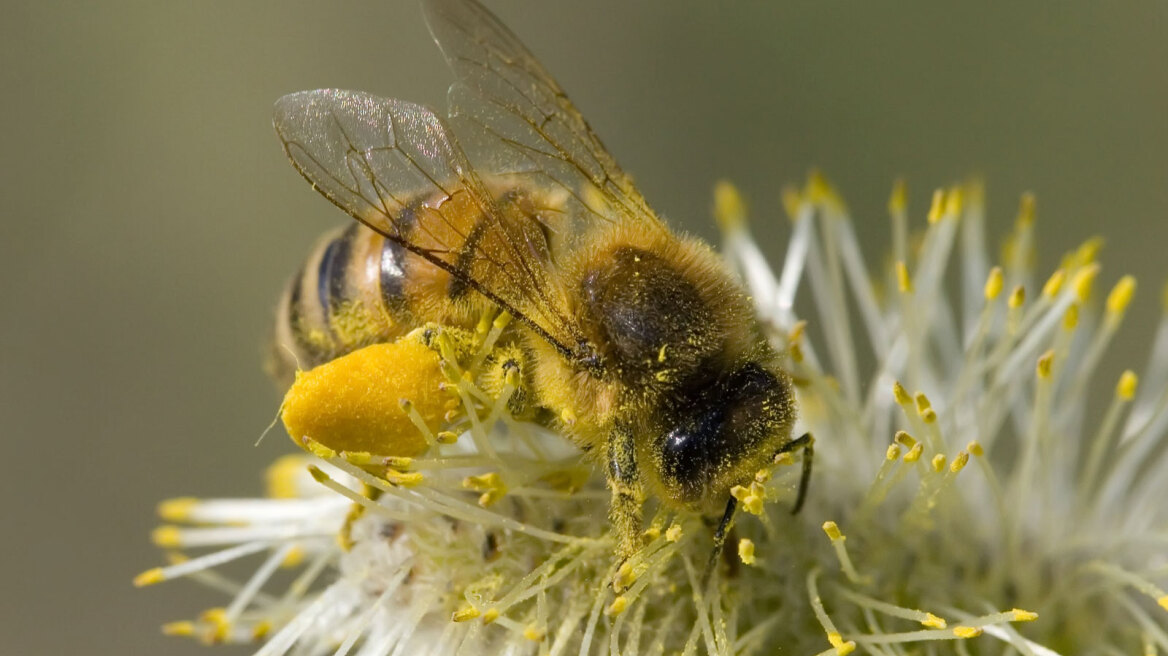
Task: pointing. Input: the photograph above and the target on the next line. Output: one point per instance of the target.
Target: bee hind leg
(627, 496)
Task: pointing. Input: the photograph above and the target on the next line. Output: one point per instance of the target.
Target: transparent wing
(516, 119)
(393, 166)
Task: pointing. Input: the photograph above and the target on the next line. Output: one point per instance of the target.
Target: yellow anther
(914, 454)
(359, 458)
(893, 452)
(898, 201)
(673, 533)
(1071, 318)
(746, 551)
(568, 417)
(954, 202)
(994, 284)
(797, 331)
(1126, 389)
(1045, 362)
(818, 188)
(149, 577)
(624, 575)
(938, 462)
(1024, 615)
(904, 439)
(975, 448)
(903, 282)
(967, 631)
(491, 615)
(486, 481)
(1121, 295)
(900, 394)
(739, 492)
(619, 605)
(183, 628)
(294, 557)
(934, 622)
(1163, 602)
(1083, 281)
(959, 462)
(399, 463)
(845, 648)
(922, 402)
(835, 639)
(832, 530)
(762, 476)
(1164, 298)
(1088, 251)
(404, 479)
(167, 537)
(317, 449)
(464, 614)
(261, 630)
(501, 321)
(729, 210)
(446, 437)
(217, 618)
(1017, 297)
(937, 208)
(281, 476)
(975, 193)
(177, 510)
(1054, 284)
(792, 199)
(1026, 209)
(652, 533)
(533, 634)
(929, 416)
(796, 352)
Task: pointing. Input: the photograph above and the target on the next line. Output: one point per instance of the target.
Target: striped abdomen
(359, 287)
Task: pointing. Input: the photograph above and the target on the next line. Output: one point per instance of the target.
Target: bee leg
(807, 443)
(720, 534)
(625, 511)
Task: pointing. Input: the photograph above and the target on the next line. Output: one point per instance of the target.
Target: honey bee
(641, 346)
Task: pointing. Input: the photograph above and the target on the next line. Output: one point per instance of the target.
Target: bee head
(719, 433)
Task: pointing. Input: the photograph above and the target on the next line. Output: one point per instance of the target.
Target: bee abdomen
(348, 294)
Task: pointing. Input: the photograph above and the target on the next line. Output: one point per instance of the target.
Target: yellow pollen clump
(354, 402)
(673, 533)
(619, 605)
(746, 551)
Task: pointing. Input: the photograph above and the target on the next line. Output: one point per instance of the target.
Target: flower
(964, 498)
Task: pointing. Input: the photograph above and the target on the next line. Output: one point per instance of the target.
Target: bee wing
(513, 114)
(378, 158)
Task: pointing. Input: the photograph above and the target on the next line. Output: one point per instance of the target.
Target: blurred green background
(149, 216)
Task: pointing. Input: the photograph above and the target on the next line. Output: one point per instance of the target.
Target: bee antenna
(720, 536)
